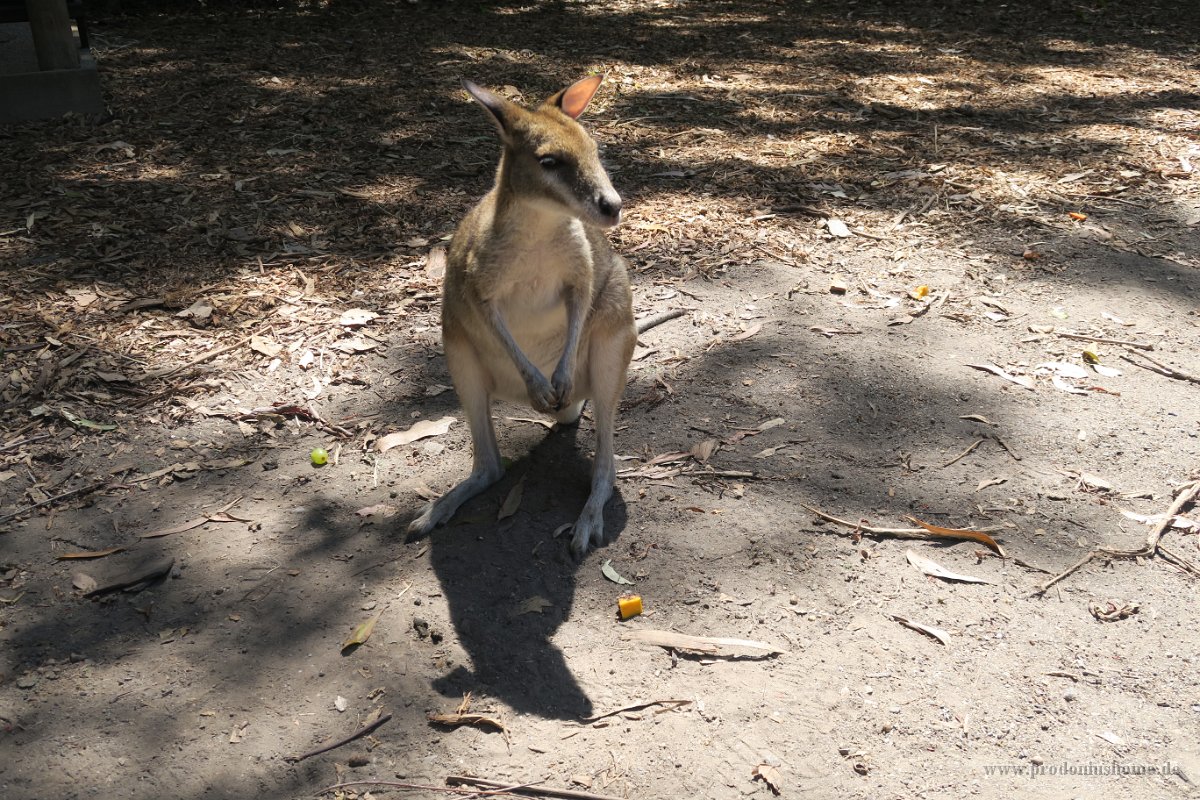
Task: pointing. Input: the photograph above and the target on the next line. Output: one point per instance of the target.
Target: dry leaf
(384, 510)
(930, 567)
(611, 573)
(986, 482)
(1108, 611)
(1063, 386)
(91, 553)
(962, 533)
(217, 516)
(356, 317)
(837, 228)
(1095, 483)
(421, 430)
(84, 582)
(928, 630)
(1024, 383)
(769, 775)
(265, 346)
(512, 502)
(1179, 522)
(1064, 369)
(361, 633)
(355, 344)
(534, 605)
(699, 644)
(746, 334)
(703, 451)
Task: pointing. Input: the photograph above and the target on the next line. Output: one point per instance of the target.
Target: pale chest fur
(530, 285)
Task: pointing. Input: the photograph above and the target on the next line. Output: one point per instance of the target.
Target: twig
(931, 532)
(659, 319)
(13, 445)
(1179, 561)
(88, 489)
(669, 705)
(358, 734)
(211, 354)
(1042, 589)
(1187, 494)
(1104, 340)
(444, 789)
(1162, 368)
(718, 473)
(459, 780)
(964, 453)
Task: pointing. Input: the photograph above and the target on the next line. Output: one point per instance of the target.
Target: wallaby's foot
(441, 510)
(571, 414)
(424, 524)
(587, 532)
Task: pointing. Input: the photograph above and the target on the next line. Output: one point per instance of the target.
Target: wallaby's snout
(609, 205)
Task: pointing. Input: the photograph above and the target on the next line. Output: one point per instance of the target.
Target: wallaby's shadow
(509, 584)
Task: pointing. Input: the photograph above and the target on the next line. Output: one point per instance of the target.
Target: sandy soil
(853, 201)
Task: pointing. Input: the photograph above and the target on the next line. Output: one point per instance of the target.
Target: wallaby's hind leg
(608, 358)
(471, 383)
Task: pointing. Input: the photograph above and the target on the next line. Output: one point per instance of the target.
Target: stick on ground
(358, 734)
(659, 319)
(1187, 494)
(539, 791)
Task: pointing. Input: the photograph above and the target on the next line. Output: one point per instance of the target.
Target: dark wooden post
(52, 37)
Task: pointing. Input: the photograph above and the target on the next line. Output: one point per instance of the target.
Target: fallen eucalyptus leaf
(420, 430)
(361, 633)
(930, 567)
(512, 503)
(611, 573)
(928, 630)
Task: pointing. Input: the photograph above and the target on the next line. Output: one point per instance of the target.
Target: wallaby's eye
(549, 162)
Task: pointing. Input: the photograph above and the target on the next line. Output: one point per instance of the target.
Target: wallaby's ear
(497, 107)
(574, 99)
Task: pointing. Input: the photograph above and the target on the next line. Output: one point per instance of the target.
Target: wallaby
(536, 306)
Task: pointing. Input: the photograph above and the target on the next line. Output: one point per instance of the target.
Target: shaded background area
(267, 167)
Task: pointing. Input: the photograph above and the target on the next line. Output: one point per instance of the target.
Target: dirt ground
(854, 202)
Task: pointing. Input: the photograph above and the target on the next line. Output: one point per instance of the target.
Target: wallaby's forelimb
(563, 379)
(541, 393)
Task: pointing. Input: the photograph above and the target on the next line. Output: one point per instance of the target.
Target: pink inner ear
(576, 97)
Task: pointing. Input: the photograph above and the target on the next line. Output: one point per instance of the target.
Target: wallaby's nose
(609, 206)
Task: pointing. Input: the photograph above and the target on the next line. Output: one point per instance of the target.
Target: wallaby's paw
(541, 394)
(563, 386)
(588, 532)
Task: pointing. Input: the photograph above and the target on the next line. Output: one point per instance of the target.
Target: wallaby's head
(549, 159)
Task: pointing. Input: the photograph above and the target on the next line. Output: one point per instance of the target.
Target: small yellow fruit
(629, 606)
(319, 456)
